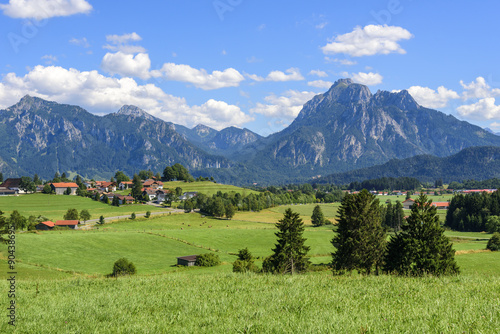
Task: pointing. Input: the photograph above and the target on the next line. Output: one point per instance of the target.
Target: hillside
(478, 163)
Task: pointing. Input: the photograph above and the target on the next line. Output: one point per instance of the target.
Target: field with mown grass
(61, 284)
(207, 187)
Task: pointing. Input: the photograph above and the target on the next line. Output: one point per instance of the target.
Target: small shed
(47, 225)
(189, 260)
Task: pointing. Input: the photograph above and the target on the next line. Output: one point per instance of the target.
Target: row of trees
(471, 212)
(419, 248)
(387, 183)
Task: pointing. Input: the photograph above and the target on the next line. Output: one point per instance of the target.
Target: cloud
(101, 94)
(287, 106)
(369, 79)
(44, 9)
(321, 25)
(200, 78)
(80, 42)
(292, 74)
(253, 59)
(369, 41)
(50, 59)
(478, 89)
(321, 74)
(320, 84)
(127, 64)
(483, 109)
(346, 62)
(429, 98)
(122, 43)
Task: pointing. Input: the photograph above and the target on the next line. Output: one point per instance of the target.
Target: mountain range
(344, 129)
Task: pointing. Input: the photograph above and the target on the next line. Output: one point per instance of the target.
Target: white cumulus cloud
(123, 43)
(199, 77)
(430, 98)
(478, 89)
(320, 84)
(102, 94)
(292, 74)
(127, 64)
(319, 73)
(369, 79)
(287, 105)
(44, 9)
(483, 109)
(369, 41)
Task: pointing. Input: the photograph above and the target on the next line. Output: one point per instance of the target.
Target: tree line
(419, 248)
(473, 212)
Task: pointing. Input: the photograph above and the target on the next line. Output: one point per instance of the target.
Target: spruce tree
(290, 251)
(317, 218)
(421, 247)
(136, 187)
(360, 239)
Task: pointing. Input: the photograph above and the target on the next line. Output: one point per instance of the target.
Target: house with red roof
(441, 205)
(67, 223)
(48, 225)
(408, 204)
(153, 184)
(60, 187)
(125, 185)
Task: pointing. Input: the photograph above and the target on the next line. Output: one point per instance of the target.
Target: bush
(244, 262)
(132, 216)
(207, 260)
(494, 242)
(148, 214)
(240, 266)
(123, 267)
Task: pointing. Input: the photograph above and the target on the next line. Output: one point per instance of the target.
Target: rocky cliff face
(43, 137)
(348, 127)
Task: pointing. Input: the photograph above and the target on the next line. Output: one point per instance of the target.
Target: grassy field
(238, 303)
(61, 286)
(55, 206)
(207, 187)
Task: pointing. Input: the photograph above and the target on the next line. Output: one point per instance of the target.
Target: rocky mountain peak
(28, 103)
(345, 91)
(401, 99)
(134, 111)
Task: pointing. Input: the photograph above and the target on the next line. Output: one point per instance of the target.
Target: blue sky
(248, 63)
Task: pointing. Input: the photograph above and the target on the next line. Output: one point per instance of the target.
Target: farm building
(68, 223)
(189, 260)
(48, 225)
(60, 188)
(408, 203)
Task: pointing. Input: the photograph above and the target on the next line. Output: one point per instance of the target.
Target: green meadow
(62, 288)
(55, 206)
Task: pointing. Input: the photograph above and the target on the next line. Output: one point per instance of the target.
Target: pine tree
(317, 218)
(136, 187)
(290, 251)
(360, 239)
(421, 247)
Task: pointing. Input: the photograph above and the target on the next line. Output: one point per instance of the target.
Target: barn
(189, 260)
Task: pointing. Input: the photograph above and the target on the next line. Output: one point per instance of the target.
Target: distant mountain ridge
(478, 163)
(344, 129)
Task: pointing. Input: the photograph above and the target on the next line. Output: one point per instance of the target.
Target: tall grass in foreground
(237, 303)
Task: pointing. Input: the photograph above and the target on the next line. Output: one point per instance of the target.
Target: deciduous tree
(84, 215)
(71, 214)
